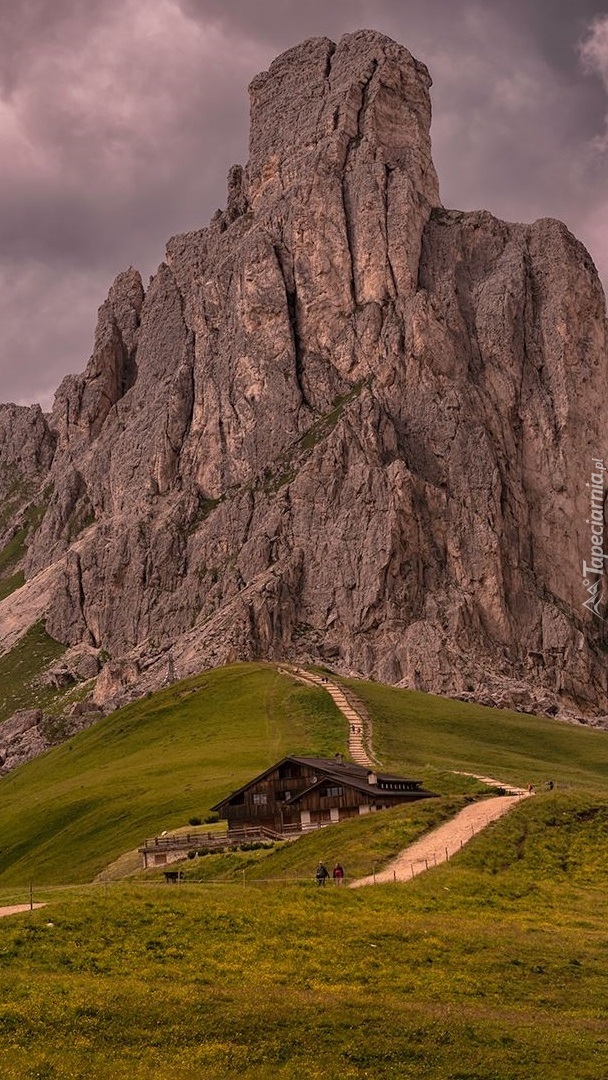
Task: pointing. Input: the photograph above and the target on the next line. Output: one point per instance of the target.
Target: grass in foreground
(487, 968)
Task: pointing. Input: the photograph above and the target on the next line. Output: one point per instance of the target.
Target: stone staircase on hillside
(359, 723)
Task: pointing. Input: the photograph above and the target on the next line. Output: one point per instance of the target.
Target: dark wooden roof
(342, 769)
(340, 772)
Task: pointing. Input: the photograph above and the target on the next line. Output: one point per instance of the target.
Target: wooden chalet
(301, 793)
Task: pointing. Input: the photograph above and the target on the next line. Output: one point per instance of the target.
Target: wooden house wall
(263, 803)
(274, 811)
(349, 798)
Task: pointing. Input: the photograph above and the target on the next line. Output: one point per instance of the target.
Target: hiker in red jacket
(338, 874)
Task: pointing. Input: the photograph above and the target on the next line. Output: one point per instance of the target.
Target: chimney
(372, 778)
(339, 758)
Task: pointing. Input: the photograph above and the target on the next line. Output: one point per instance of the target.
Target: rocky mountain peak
(82, 402)
(343, 424)
(324, 106)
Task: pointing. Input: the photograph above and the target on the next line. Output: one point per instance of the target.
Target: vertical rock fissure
(82, 598)
(349, 232)
(330, 55)
(292, 308)
(351, 147)
(389, 262)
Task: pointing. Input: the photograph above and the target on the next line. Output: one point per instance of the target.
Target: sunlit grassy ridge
(415, 729)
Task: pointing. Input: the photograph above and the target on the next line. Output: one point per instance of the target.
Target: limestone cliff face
(342, 424)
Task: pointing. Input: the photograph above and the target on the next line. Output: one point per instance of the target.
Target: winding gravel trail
(15, 909)
(439, 846)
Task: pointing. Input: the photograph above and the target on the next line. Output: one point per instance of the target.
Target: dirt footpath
(17, 908)
(438, 846)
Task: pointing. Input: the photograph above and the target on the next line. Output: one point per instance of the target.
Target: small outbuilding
(300, 793)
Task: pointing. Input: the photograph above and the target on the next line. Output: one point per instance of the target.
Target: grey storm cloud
(119, 121)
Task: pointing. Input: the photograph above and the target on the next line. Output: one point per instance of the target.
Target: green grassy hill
(151, 766)
(424, 730)
(156, 763)
(489, 967)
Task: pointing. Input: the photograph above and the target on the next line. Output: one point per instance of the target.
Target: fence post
(243, 877)
(31, 896)
(447, 857)
(374, 873)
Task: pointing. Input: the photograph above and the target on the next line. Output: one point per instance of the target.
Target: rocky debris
(21, 739)
(78, 664)
(118, 683)
(86, 708)
(600, 722)
(344, 424)
(30, 732)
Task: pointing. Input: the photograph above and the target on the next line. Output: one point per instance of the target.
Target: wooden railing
(196, 841)
(210, 841)
(183, 840)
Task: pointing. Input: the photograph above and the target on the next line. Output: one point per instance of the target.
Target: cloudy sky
(119, 120)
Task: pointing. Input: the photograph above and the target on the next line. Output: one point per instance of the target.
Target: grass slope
(152, 765)
(157, 762)
(490, 967)
(21, 668)
(417, 730)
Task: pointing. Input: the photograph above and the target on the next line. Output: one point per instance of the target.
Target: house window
(260, 798)
(331, 791)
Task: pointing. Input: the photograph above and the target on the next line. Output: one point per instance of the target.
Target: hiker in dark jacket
(321, 874)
